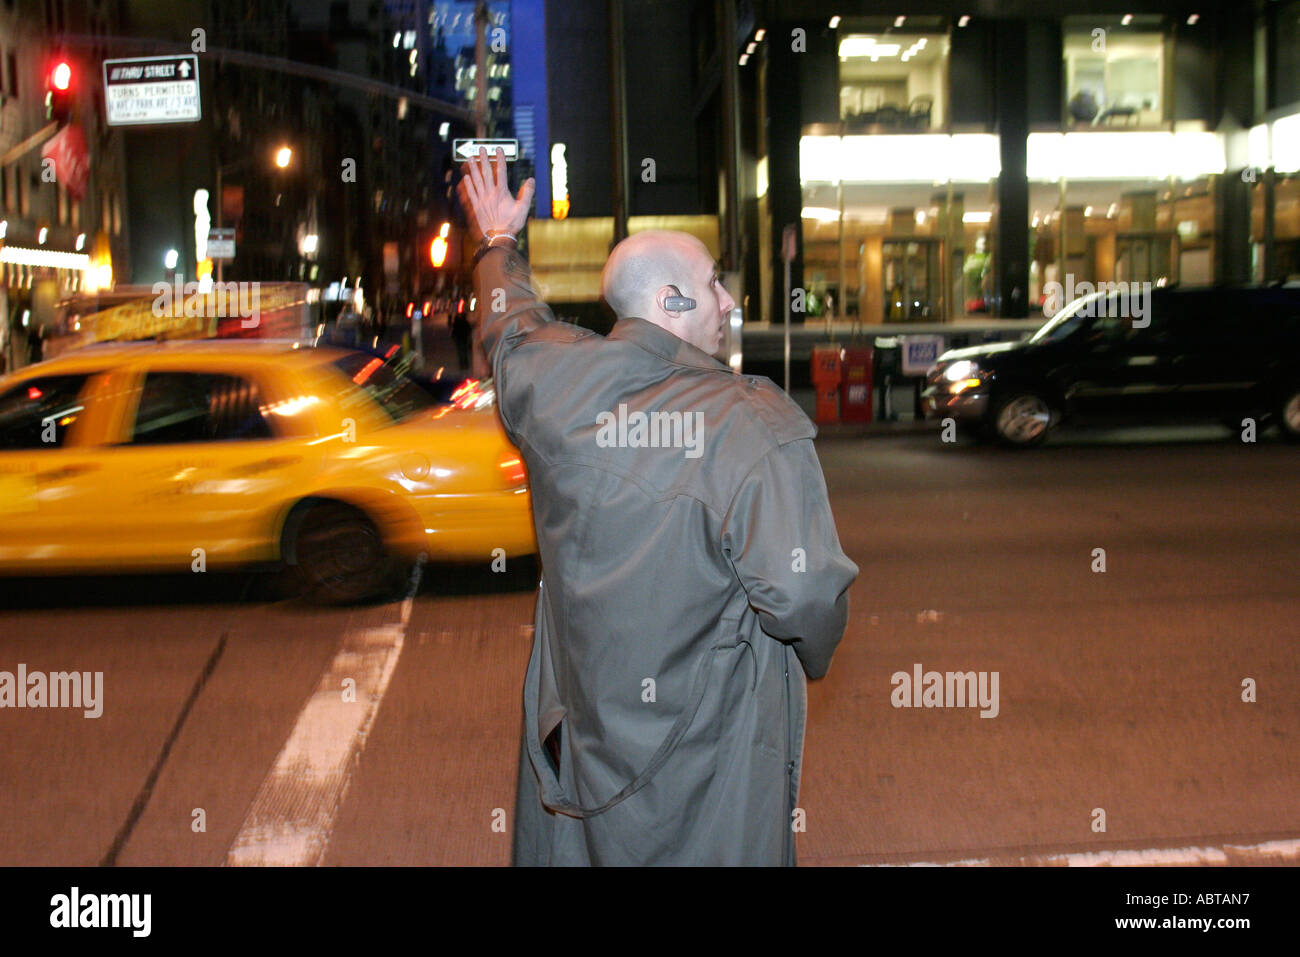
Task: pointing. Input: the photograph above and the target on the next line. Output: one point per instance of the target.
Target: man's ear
(661, 295)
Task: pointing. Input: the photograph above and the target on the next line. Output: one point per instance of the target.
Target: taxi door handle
(267, 465)
(67, 471)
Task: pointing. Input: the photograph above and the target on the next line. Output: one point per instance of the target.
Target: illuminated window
(1114, 74)
(894, 81)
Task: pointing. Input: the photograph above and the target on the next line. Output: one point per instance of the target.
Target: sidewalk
(807, 400)
(440, 353)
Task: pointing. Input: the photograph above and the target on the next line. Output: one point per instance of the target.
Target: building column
(785, 194)
(1011, 245)
(618, 120)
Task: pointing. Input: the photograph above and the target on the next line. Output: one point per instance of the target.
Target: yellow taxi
(190, 455)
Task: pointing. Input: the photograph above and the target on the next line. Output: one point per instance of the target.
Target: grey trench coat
(691, 578)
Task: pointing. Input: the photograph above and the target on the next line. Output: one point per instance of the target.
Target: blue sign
(920, 352)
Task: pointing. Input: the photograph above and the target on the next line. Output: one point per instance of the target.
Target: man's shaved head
(641, 268)
(642, 264)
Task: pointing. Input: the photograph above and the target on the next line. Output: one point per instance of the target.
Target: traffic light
(438, 248)
(59, 91)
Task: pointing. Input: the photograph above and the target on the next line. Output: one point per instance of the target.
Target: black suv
(1170, 354)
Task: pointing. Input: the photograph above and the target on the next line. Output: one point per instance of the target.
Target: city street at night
(1120, 690)
(452, 447)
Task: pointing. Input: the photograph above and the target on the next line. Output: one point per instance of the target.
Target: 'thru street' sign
(152, 89)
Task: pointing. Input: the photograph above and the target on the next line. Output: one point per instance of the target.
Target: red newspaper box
(826, 382)
(855, 398)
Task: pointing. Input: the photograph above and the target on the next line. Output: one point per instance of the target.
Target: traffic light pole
(220, 204)
(480, 68)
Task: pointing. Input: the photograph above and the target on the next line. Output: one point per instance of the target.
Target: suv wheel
(341, 556)
(1022, 419)
(1288, 416)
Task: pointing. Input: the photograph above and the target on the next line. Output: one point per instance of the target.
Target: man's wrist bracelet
(490, 241)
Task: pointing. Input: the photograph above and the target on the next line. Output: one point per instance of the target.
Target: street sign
(919, 353)
(464, 150)
(221, 243)
(152, 89)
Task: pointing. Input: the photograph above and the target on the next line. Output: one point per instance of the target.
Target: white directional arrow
(184, 68)
(464, 150)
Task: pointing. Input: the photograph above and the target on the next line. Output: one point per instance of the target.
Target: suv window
(1106, 331)
(36, 414)
(198, 407)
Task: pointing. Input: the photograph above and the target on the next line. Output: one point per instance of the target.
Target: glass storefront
(900, 214)
(1285, 251)
(1157, 230)
(910, 245)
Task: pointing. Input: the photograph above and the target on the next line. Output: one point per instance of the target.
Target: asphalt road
(1118, 690)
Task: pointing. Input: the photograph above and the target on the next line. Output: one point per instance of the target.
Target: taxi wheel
(1021, 419)
(340, 556)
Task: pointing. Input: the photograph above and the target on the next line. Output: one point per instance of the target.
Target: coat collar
(663, 343)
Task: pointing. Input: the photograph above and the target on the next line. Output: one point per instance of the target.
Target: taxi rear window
(36, 414)
(387, 386)
(180, 407)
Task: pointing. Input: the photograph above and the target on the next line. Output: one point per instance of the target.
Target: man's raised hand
(486, 197)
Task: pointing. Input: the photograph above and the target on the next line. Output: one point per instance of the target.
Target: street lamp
(283, 157)
(171, 258)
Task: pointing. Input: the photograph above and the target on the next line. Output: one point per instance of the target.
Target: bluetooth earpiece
(677, 302)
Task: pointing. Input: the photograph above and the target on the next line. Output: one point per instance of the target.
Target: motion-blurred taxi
(186, 455)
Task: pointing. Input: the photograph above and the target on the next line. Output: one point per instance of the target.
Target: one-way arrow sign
(465, 150)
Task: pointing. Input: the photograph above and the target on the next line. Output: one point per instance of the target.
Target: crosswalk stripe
(1268, 852)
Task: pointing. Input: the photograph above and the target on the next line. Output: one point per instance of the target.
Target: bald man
(692, 575)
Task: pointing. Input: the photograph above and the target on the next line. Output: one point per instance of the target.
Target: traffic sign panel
(152, 89)
(464, 150)
(221, 243)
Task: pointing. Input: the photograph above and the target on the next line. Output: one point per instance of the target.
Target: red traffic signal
(58, 91)
(438, 252)
(438, 248)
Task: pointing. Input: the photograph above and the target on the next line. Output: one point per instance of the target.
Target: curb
(875, 430)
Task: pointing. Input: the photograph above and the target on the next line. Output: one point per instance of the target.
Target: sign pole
(220, 262)
(787, 254)
(786, 310)
(480, 69)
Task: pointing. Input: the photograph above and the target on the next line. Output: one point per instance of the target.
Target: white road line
(290, 821)
(1269, 852)
(291, 817)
